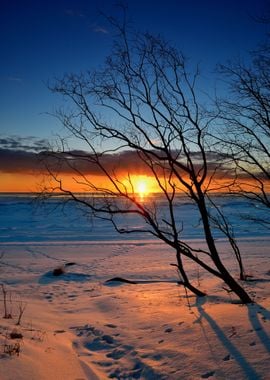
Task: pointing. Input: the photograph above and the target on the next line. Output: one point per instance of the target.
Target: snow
(79, 326)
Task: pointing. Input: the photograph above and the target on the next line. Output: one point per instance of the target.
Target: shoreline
(135, 242)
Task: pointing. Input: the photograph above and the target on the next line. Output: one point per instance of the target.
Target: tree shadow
(257, 314)
(249, 371)
(119, 281)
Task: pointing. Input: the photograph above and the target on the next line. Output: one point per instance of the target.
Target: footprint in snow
(208, 374)
(108, 339)
(116, 354)
(110, 325)
(100, 343)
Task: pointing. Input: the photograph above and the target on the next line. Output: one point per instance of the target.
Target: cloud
(16, 156)
(29, 143)
(218, 163)
(100, 29)
(19, 161)
(32, 155)
(115, 163)
(74, 13)
(14, 160)
(12, 78)
(211, 156)
(21, 154)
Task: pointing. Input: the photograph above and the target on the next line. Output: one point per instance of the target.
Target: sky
(43, 40)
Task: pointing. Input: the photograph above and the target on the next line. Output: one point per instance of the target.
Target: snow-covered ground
(78, 326)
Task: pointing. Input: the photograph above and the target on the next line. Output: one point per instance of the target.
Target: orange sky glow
(27, 182)
(35, 182)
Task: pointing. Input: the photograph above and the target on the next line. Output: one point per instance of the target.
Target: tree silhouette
(246, 117)
(143, 101)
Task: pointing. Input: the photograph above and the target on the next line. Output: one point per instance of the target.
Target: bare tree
(220, 221)
(143, 101)
(21, 308)
(246, 126)
(7, 315)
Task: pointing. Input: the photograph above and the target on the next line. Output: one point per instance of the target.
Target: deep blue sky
(41, 40)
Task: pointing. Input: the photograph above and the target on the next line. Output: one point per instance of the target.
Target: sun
(141, 187)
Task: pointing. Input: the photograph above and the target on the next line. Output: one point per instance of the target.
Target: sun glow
(142, 186)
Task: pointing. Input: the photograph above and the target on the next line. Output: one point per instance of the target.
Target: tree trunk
(185, 280)
(231, 282)
(226, 276)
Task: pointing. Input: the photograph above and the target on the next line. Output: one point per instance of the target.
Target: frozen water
(23, 220)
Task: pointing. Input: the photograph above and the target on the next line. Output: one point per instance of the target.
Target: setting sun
(142, 188)
(141, 185)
